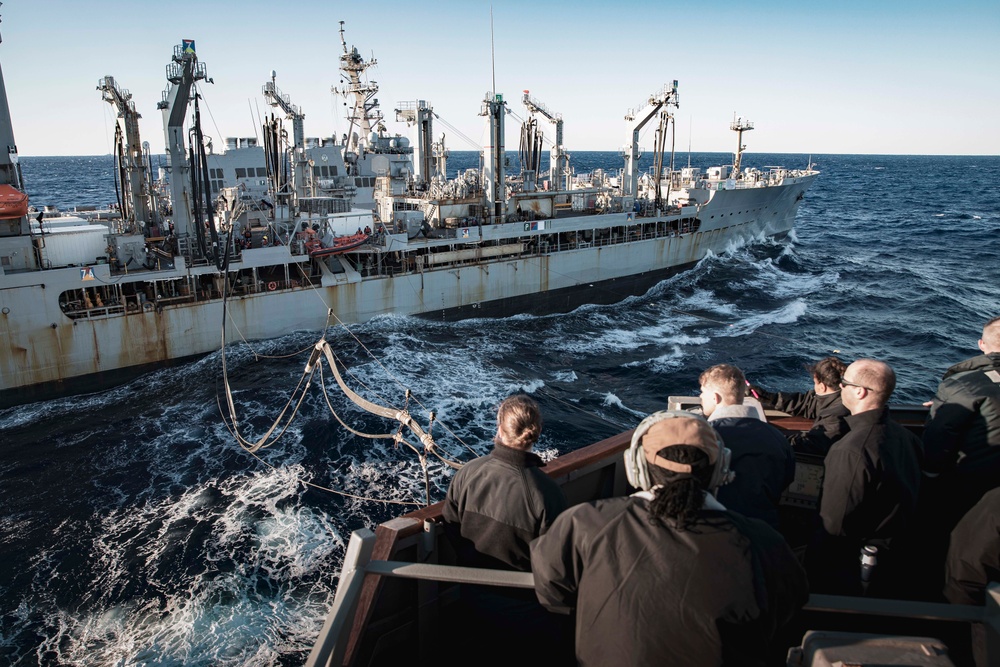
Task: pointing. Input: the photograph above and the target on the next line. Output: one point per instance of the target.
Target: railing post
(332, 641)
(428, 605)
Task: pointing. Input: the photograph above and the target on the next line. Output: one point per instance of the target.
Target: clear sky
(881, 77)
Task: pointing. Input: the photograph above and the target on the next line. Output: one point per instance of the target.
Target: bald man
(870, 484)
(962, 438)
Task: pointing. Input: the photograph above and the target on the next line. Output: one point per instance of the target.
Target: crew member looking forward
(869, 487)
(822, 404)
(962, 438)
(763, 461)
(495, 506)
(667, 576)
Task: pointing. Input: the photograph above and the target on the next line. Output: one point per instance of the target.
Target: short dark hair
(728, 379)
(829, 371)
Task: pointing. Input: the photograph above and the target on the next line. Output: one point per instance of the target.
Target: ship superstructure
(85, 304)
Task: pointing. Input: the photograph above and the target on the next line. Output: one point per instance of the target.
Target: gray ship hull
(46, 352)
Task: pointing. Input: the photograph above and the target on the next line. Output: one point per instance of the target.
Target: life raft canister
(13, 203)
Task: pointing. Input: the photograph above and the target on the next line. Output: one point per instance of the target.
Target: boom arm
(292, 112)
(182, 72)
(133, 171)
(658, 100)
(558, 159)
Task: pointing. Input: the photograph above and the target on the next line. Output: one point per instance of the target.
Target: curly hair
(829, 371)
(519, 422)
(680, 496)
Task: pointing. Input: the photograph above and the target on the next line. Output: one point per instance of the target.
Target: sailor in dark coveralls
(763, 461)
(668, 576)
(870, 487)
(821, 403)
(495, 506)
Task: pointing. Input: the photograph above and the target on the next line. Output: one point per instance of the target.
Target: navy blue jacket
(763, 461)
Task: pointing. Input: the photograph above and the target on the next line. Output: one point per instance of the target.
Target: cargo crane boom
(638, 119)
(292, 112)
(132, 158)
(558, 158)
(182, 73)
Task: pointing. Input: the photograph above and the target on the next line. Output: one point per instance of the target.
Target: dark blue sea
(134, 530)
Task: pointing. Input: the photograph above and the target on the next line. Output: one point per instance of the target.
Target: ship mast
(365, 111)
(739, 126)
(494, 176)
(10, 170)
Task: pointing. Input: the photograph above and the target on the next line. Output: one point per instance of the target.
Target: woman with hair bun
(496, 505)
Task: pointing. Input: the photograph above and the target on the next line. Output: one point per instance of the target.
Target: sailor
(962, 437)
(974, 553)
(821, 403)
(500, 502)
(870, 485)
(495, 506)
(668, 575)
(961, 452)
(763, 461)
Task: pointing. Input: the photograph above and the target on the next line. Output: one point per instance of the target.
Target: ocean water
(134, 530)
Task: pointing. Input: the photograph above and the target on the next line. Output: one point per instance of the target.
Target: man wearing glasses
(869, 488)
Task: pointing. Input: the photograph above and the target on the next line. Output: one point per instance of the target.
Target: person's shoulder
(976, 363)
(753, 528)
(599, 511)
(470, 466)
(849, 447)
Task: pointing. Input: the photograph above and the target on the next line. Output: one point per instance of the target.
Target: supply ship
(86, 302)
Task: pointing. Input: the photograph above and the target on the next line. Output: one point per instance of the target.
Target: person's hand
(927, 404)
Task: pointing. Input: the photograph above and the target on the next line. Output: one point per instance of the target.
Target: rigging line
(326, 396)
(385, 436)
(460, 134)
(306, 376)
(262, 443)
(327, 489)
(394, 379)
(209, 108)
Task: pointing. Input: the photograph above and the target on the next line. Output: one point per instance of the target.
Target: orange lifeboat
(13, 203)
(340, 245)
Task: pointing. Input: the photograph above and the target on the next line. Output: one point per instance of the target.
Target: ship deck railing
(397, 582)
(339, 632)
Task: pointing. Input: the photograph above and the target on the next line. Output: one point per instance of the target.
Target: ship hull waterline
(52, 354)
